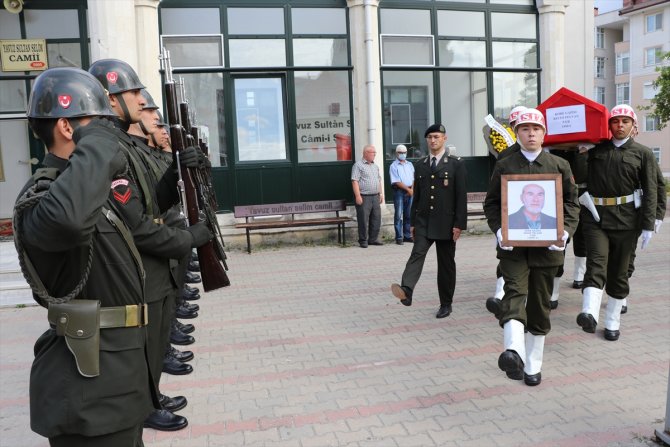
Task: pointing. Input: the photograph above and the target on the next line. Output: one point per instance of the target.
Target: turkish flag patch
(112, 77)
(64, 101)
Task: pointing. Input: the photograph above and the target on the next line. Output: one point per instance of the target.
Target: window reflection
(257, 52)
(511, 90)
(514, 54)
(51, 23)
(462, 53)
(190, 20)
(405, 21)
(463, 111)
(255, 21)
(461, 23)
(318, 21)
(319, 52)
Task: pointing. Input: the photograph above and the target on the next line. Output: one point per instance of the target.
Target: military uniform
(439, 205)
(58, 233)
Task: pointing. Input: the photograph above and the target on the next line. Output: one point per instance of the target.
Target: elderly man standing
(366, 182)
(402, 179)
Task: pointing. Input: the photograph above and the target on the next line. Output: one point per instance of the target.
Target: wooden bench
(282, 215)
(476, 198)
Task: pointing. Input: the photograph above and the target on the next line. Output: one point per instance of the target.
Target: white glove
(646, 237)
(657, 225)
(583, 147)
(553, 247)
(499, 236)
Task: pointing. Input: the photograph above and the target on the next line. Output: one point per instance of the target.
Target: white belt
(610, 201)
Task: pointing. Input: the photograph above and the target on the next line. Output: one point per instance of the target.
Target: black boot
(185, 328)
(182, 356)
(194, 266)
(192, 277)
(173, 366)
(163, 420)
(179, 338)
(191, 296)
(172, 404)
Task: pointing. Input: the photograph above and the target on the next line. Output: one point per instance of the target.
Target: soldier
(77, 253)
(157, 243)
(439, 214)
(528, 271)
(621, 201)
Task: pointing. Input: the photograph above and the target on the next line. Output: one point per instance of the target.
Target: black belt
(369, 195)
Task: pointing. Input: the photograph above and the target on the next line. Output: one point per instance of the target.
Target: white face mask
(402, 156)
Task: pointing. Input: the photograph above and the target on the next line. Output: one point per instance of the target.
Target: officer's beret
(435, 128)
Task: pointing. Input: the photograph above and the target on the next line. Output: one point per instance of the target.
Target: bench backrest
(281, 209)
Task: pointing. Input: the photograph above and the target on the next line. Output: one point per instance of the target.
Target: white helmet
(514, 113)
(623, 110)
(530, 116)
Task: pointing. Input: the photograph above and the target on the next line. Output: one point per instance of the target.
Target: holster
(79, 322)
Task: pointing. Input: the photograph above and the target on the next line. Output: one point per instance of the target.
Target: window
(194, 51)
(255, 21)
(600, 38)
(404, 21)
(599, 67)
(651, 123)
(190, 21)
(652, 56)
(462, 53)
(513, 26)
(649, 91)
(461, 23)
(462, 109)
(599, 95)
(657, 153)
(407, 50)
(622, 63)
(654, 23)
(623, 93)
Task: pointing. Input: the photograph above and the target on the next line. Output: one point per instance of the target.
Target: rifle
(213, 274)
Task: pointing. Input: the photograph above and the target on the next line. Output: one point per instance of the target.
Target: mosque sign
(24, 55)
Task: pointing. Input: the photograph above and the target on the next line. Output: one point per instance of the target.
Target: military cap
(435, 128)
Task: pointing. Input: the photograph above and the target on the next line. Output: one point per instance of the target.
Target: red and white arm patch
(121, 190)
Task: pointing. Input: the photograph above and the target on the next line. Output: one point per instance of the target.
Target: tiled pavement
(309, 348)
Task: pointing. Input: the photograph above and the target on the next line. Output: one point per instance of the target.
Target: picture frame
(532, 210)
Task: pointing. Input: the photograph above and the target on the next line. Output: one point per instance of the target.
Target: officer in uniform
(157, 243)
(622, 194)
(90, 383)
(439, 214)
(528, 271)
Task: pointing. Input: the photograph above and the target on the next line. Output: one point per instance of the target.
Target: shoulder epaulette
(456, 157)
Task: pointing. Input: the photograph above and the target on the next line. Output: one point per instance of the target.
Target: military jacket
(57, 234)
(509, 151)
(617, 172)
(545, 163)
(440, 198)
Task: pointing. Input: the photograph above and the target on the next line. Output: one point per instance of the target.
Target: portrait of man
(530, 215)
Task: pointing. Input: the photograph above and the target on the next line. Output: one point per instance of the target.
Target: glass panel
(64, 55)
(9, 25)
(514, 54)
(461, 23)
(514, 2)
(318, 21)
(13, 96)
(405, 21)
(408, 111)
(513, 26)
(190, 20)
(194, 51)
(406, 50)
(259, 109)
(255, 21)
(257, 52)
(323, 125)
(205, 94)
(319, 52)
(51, 23)
(511, 90)
(462, 53)
(464, 105)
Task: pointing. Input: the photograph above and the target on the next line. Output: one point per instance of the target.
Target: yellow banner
(24, 55)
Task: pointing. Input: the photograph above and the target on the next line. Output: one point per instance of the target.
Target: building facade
(289, 91)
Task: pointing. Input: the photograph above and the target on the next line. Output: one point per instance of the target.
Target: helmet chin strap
(124, 109)
(144, 129)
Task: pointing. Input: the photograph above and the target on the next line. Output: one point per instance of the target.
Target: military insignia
(112, 77)
(121, 197)
(119, 182)
(64, 101)
(446, 182)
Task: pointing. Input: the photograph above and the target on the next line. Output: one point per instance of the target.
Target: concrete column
(552, 51)
(148, 43)
(112, 30)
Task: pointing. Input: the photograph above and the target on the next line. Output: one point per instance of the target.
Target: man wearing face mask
(622, 193)
(402, 179)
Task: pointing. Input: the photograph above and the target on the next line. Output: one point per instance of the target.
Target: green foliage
(660, 105)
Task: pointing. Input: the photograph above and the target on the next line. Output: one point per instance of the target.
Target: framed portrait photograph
(532, 210)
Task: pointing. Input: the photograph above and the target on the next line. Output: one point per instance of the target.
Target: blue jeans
(402, 202)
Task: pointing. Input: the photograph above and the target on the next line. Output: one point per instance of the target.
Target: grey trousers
(369, 216)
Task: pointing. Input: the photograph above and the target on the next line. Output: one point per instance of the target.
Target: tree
(660, 104)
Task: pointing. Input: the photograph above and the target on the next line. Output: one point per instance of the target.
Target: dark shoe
(494, 306)
(179, 338)
(163, 420)
(553, 304)
(510, 362)
(186, 314)
(188, 306)
(587, 322)
(184, 328)
(532, 379)
(172, 404)
(402, 294)
(577, 284)
(173, 366)
(443, 311)
(612, 335)
(192, 277)
(376, 243)
(191, 289)
(191, 296)
(182, 356)
(408, 239)
(194, 255)
(363, 245)
(398, 242)
(193, 266)
(624, 309)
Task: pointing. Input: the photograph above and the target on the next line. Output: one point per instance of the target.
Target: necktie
(433, 164)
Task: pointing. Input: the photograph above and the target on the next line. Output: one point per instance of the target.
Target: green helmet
(115, 75)
(67, 93)
(161, 122)
(150, 105)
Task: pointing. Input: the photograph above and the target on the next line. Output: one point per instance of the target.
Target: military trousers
(130, 437)
(608, 259)
(369, 217)
(446, 266)
(158, 333)
(527, 294)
